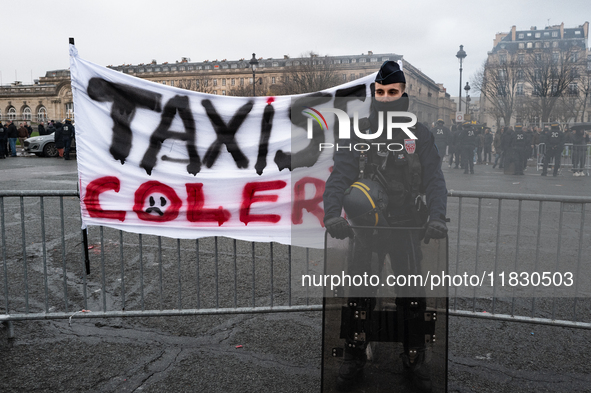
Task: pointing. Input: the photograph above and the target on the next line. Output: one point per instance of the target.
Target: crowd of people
(470, 144)
(10, 133)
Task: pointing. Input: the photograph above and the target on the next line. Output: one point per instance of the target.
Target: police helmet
(555, 126)
(440, 121)
(365, 202)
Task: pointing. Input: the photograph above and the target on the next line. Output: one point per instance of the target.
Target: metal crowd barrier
(45, 258)
(567, 158)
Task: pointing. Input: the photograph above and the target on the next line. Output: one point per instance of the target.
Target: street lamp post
(467, 88)
(253, 64)
(461, 55)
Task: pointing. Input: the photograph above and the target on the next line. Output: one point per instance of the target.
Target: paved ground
(280, 352)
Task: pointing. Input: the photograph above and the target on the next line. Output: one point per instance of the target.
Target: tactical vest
(399, 172)
(519, 139)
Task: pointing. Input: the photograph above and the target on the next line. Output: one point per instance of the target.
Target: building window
(336, 61)
(27, 113)
(521, 45)
(224, 66)
(215, 82)
(233, 65)
(538, 35)
(520, 36)
(546, 44)
(503, 58)
(173, 68)
(573, 89)
(353, 60)
(538, 44)
(241, 81)
(555, 44)
(275, 64)
(574, 57)
(70, 110)
(223, 92)
(520, 91)
(520, 58)
(157, 69)
(273, 80)
(363, 60)
(208, 67)
(529, 45)
(555, 57)
(11, 113)
(233, 82)
(578, 32)
(344, 61)
(546, 34)
(250, 81)
(41, 114)
(554, 34)
(223, 82)
(181, 68)
(352, 77)
(172, 83)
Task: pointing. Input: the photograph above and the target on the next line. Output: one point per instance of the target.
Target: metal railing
(570, 154)
(50, 271)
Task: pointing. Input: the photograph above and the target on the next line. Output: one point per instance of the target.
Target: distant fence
(46, 258)
(567, 158)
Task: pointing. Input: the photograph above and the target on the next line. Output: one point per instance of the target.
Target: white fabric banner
(159, 160)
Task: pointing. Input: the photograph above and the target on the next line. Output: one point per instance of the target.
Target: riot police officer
(554, 140)
(442, 137)
(402, 175)
(518, 144)
(468, 142)
(68, 133)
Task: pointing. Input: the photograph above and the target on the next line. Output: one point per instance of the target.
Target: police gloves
(435, 230)
(338, 227)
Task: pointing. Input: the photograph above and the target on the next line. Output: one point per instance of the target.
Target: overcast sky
(34, 34)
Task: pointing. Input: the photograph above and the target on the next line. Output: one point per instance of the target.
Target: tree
(245, 90)
(497, 81)
(202, 85)
(309, 73)
(549, 74)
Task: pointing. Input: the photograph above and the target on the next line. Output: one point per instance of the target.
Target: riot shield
(400, 332)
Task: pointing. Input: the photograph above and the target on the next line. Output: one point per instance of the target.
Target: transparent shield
(380, 327)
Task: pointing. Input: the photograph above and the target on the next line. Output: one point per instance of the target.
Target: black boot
(351, 371)
(417, 370)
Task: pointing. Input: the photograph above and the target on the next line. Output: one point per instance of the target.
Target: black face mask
(400, 105)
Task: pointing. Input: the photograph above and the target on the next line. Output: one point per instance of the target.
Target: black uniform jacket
(346, 171)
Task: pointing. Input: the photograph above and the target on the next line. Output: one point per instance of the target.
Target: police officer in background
(519, 145)
(554, 140)
(442, 137)
(454, 147)
(401, 175)
(68, 133)
(468, 142)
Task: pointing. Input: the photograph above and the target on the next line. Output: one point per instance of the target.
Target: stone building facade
(519, 71)
(51, 96)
